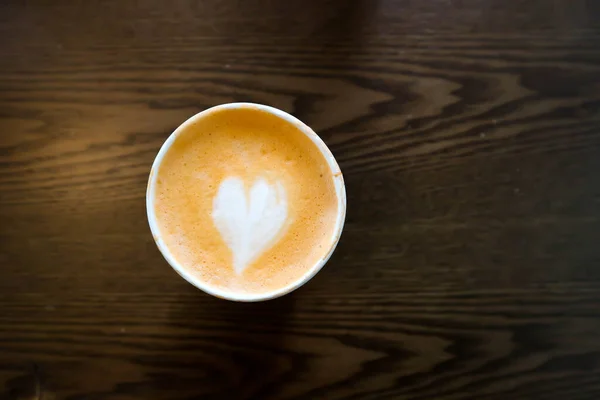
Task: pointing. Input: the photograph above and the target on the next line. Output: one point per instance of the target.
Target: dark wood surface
(469, 136)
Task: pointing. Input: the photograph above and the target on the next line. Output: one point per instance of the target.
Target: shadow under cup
(338, 184)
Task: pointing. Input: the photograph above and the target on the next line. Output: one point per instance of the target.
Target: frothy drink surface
(245, 201)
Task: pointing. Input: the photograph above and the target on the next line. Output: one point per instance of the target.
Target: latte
(245, 201)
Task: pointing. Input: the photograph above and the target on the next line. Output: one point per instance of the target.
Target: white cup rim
(336, 175)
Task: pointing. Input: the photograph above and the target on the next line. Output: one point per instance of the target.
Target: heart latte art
(244, 201)
(249, 223)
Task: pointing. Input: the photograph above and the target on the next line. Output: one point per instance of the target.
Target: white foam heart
(249, 222)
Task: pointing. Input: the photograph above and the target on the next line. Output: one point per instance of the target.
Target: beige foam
(250, 144)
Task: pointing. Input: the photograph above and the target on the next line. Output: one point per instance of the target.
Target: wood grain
(469, 136)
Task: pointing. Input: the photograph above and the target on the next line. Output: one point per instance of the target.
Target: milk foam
(244, 146)
(249, 222)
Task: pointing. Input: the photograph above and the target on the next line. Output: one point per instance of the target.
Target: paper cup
(336, 176)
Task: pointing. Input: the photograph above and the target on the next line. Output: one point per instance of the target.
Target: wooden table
(469, 136)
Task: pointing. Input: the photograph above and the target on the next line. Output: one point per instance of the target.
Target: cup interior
(336, 176)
